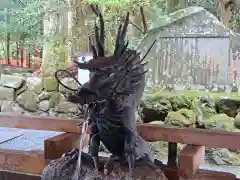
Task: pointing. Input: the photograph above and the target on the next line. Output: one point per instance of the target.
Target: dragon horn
(120, 43)
(99, 37)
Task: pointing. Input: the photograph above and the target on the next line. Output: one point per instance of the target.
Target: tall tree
(174, 5)
(55, 48)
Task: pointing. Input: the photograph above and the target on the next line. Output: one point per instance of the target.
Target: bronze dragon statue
(114, 91)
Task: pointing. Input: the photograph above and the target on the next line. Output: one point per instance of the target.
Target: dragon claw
(73, 157)
(73, 154)
(105, 171)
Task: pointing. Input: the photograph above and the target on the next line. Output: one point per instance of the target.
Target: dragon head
(115, 75)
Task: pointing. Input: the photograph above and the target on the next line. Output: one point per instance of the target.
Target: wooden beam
(56, 146)
(208, 138)
(31, 162)
(40, 123)
(190, 159)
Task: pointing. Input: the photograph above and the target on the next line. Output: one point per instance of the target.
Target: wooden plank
(39, 123)
(56, 146)
(6, 175)
(26, 162)
(208, 138)
(190, 159)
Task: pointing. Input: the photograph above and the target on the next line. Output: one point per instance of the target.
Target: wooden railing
(189, 159)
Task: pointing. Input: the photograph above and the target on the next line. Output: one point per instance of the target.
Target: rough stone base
(57, 171)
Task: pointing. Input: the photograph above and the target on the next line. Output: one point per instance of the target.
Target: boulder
(155, 109)
(69, 82)
(11, 107)
(44, 105)
(35, 84)
(12, 81)
(50, 83)
(67, 107)
(221, 122)
(44, 114)
(55, 98)
(229, 106)
(204, 106)
(28, 101)
(21, 89)
(7, 93)
(44, 96)
(223, 157)
(181, 118)
(52, 112)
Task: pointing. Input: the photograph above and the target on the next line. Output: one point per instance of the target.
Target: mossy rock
(28, 101)
(204, 106)
(223, 156)
(221, 122)
(181, 118)
(35, 84)
(55, 98)
(228, 105)
(179, 102)
(50, 83)
(155, 109)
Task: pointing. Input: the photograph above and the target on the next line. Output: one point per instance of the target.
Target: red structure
(22, 56)
(24, 63)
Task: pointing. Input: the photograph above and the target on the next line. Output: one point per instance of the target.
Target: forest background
(62, 27)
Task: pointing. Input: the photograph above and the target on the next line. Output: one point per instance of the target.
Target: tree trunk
(171, 5)
(183, 4)
(71, 15)
(225, 15)
(55, 53)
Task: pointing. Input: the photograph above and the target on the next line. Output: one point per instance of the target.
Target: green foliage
(23, 17)
(23, 20)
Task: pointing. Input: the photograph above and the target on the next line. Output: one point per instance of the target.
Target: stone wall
(36, 96)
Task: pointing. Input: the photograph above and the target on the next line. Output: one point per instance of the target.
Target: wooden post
(190, 159)
(172, 154)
